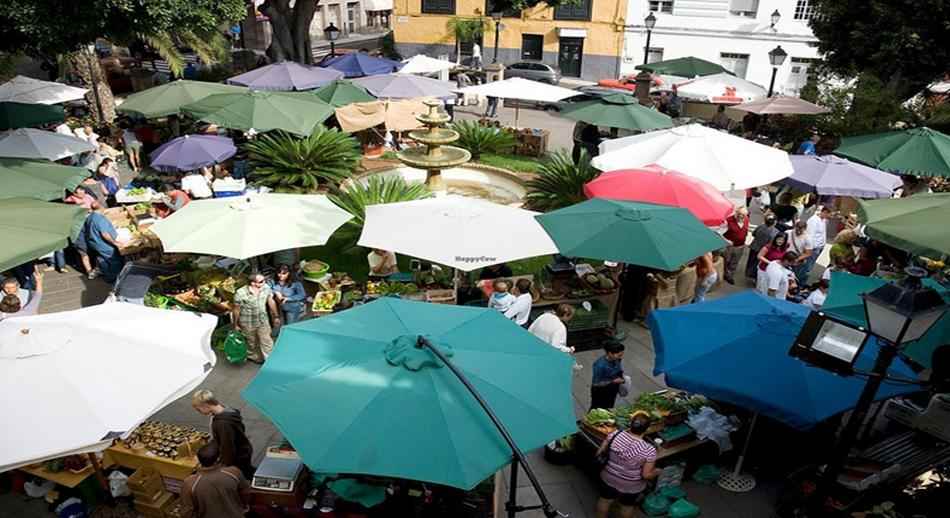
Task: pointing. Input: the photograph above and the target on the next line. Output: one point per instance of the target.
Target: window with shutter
(438, 6)
(532, 46)
(747, 8)
(574, 11)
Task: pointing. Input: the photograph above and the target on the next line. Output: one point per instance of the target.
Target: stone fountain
(434, 154)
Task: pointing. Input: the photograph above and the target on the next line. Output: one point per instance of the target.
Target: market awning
(522, 89)
(684, 67)
(422, 64)
(297, 113)
(167, 99)
(917, 151)
(286, 75)
(40, 180)
(405, 86)
(829, 175)
(720, 89)
(41, 144)
(780, 104)
(913, 224)
(32, 228)
(22, 115)
(396, 115)
(22, 89)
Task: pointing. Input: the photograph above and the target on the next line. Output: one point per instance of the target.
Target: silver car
(535, 71)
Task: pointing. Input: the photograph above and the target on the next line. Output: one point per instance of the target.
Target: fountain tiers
(434, 155)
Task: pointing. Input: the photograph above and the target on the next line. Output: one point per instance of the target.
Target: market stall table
(173, 471)
(67, 478)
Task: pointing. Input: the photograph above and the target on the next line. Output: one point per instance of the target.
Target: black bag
(604, 457)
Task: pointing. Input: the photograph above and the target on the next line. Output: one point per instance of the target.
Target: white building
(737, 34)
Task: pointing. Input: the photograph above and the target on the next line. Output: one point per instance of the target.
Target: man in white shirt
(816, 298)
(800, 243)
(817, 230)
(551, 328)
(197, 185)
(521, 308)
(778, 276)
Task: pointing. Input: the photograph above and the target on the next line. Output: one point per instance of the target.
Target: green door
(569, 56)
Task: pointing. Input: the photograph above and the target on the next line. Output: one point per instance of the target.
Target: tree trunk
(290, 27)
(85, 66)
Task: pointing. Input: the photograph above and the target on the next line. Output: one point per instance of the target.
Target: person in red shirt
(172, 201)
(738, 229)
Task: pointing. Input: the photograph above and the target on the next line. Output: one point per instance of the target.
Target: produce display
(326, 300)
(137, 191)
(383, 288)
(166, 440)
(599, 281)
(661, 408)
(208, 290)
(73, 463)
(315, 269)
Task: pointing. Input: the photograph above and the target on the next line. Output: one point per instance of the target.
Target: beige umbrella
(782, 104)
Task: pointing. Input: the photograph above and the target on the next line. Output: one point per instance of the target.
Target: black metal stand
(511, 506)
(646, 50)
(772, 82)
(494, 58)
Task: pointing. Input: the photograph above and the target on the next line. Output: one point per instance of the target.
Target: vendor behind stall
(171, 202)
(101, 239)
(382, 263)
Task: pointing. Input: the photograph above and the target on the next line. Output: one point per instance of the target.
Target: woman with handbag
(628, 462)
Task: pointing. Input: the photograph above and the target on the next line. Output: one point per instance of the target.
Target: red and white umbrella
(720, 89)
(655, 184)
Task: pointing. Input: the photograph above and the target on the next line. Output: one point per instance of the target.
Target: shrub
(287, 163)
(479, 140)
(560, 182)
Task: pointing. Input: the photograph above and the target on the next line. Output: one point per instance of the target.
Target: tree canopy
(903, 43)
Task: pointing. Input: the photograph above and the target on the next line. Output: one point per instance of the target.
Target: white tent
(521, 89)
(48, 145)
(22, 89)
(74, 381)
(422, 64)
(724, 160)
(464, 233)
(720, 89)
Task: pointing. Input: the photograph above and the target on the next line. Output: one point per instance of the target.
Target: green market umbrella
(167, 99)
(341, 92)
(262, 111)
(32, 228)
(913, 224)
(918, 151)
(655, 236)
(685, 67)
(39, 180)
(844, 301)
(22, 115)
(616, 111)
(387, 405)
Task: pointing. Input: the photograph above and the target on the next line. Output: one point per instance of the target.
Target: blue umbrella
(286, 75)
(359, 64)
(742, 358)
(192, 152)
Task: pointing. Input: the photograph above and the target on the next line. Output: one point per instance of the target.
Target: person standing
(476, 56)
(761, 236)
(809, 147)
(132, 146)
(779, 278)
(706, 276)
(521, 309)
(491, 110)
(800, 243)
(288, 294)
(773, 251)
(607, 376)
(817, 230)
(631, 461)
(227, 431)
(252, 303)
(737, 229)
(214, 491)
(551, 328)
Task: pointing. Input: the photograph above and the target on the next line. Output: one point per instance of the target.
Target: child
(607, 376)
(500, 298)
(817, 297)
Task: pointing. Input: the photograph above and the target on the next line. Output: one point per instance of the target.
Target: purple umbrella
(192, 152)
(835, 176)
(286, 75)
(359, 64)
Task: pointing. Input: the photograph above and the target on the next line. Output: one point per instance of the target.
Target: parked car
(628, 82)
(535, 71)
(588, 93)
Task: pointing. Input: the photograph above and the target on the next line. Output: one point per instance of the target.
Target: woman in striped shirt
(631, 462)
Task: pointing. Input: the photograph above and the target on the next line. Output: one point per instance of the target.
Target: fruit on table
(326, 300)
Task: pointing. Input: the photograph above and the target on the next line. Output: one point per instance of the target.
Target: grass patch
(517, 163)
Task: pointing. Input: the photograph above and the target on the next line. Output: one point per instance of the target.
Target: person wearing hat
(761, 236)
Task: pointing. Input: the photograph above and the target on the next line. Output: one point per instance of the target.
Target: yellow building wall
(604, 31)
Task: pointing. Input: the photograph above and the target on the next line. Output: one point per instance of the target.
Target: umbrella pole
(519, 458)
(735, 481)
(517, 107)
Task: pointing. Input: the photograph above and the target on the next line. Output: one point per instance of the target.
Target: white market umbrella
(521, 89)
(22, 89)
(720, 89)
(464, 233)
(76, 380)
(405, 86)
(48, 145)
(422, 64)
(726, 161)
(250, 225)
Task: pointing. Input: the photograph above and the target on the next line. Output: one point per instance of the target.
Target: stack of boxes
(150, 498)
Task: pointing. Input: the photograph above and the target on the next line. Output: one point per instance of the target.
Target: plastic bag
(683, 508)
(235, 347)
(626, 386)
(656, 505)
(119, 484)
(706, 474)
(672, 492)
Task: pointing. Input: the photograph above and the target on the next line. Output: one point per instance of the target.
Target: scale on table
(279, 471)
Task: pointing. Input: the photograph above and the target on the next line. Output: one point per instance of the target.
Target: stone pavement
(567, 487)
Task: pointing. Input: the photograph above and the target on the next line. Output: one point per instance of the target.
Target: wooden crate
(146, 481)
(157, 508)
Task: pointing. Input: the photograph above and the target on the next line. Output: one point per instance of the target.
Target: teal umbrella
(33, 228)
(21, 115)
(917, 151)
(844, 301)
(910, 224)
(295, 112)
(655, 236)
(40, 180)
(616, 111)
(354, 392)
(685, 67)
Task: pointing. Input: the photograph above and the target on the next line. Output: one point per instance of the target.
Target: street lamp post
(332, 33)
(896, 314)
(776, 16)
(497, 18)
(776, 58)
(649, 22)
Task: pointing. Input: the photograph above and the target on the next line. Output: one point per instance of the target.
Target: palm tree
(560, 182)
(465, 29)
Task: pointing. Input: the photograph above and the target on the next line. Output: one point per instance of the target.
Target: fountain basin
(438, 158)
(434, 136)
(472, 180)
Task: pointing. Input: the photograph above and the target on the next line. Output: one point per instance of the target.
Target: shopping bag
(235, 347)
(683, 508)
(656, 505)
